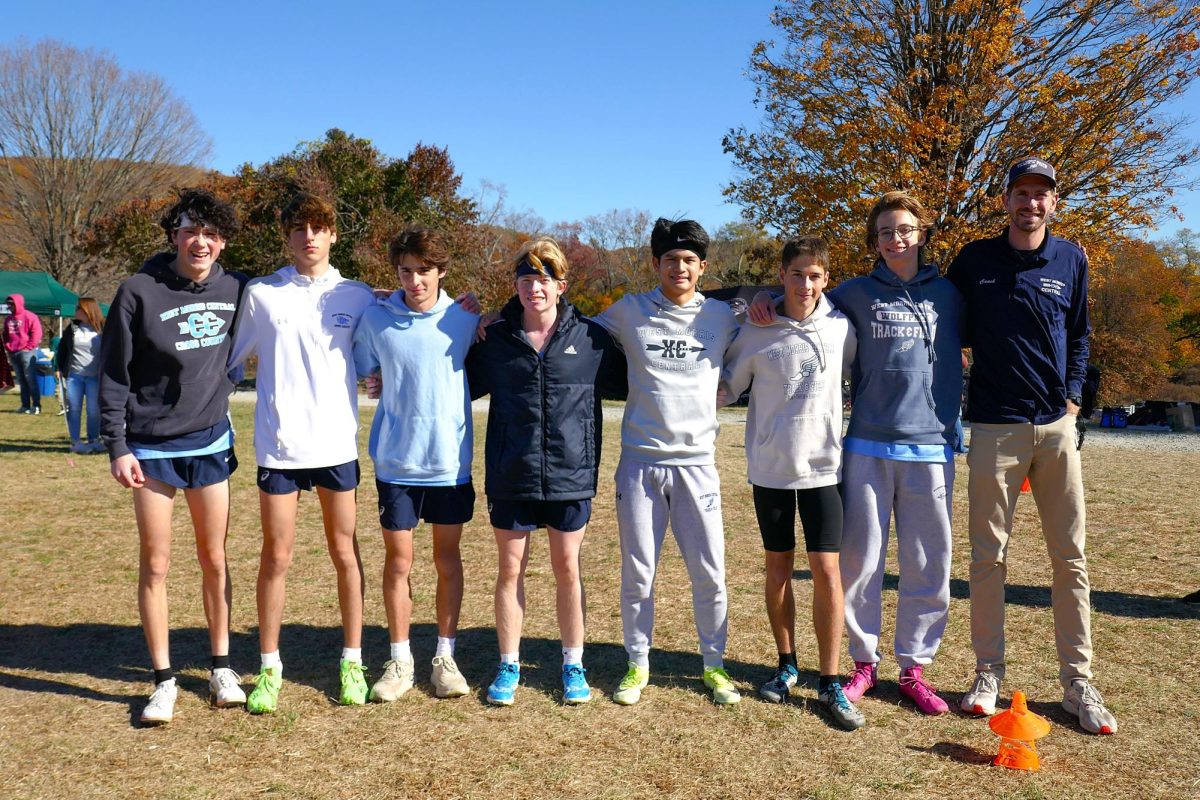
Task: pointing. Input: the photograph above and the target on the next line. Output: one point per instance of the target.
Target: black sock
(788, 660)
(161, 675)
(220, 662)
(824, 681)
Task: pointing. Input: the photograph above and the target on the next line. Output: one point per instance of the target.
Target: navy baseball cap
(1031, 166)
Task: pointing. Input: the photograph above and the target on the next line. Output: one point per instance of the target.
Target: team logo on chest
(674, 348)
(199, 323)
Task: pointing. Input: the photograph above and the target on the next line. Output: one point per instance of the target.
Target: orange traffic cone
(1025, 488)
(1018, 728)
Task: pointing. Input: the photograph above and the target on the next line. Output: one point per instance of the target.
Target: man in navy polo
(1027, 323)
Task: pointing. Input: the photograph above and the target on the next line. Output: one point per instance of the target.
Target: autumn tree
(78, 137)
(939, 98)
(1132, 342)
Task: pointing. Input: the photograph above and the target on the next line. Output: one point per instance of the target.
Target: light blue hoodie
(421, 435)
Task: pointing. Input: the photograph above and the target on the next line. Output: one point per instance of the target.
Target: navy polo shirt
(1027, 323)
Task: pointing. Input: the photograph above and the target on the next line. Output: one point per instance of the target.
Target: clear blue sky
(576, 106)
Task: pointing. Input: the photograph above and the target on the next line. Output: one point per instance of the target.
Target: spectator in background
(78, 361)
(22, 335)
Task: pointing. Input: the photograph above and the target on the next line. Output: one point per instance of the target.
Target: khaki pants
(1000, 458)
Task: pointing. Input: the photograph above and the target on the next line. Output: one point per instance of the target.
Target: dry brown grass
(73, 665)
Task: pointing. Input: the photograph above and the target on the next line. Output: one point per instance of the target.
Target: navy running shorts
(191, 472)
(528, 515)
(341, 478)
(403, 506)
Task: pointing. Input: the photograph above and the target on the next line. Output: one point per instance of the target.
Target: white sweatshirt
(794, 423)
(302, 330)
(675, 355)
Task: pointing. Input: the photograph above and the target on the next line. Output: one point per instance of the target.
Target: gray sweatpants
(920, 494)
(689, 497)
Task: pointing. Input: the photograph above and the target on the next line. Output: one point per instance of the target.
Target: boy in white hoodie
(300, 321)
(794, 458)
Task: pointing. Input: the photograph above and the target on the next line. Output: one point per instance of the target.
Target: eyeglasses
(903, 232)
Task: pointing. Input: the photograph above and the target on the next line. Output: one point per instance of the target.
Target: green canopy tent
(43, 295)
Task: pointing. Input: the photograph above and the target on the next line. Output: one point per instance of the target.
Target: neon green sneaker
(354, 683)
(724, 692)
(265, 696)
(629, 690)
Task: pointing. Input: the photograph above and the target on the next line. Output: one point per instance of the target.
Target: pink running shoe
(914, 686)
(861, 681)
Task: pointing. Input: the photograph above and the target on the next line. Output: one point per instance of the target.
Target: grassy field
(74, 669)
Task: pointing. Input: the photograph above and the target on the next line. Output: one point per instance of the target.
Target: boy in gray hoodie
(674, 341)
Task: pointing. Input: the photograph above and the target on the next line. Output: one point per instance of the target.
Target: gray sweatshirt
(794, 423)
(675, 354)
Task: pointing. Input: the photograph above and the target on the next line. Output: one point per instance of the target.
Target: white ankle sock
(445, 646)
(401, 651)
(352, 654)
(271, 660)
(572, 655)
(510, 658)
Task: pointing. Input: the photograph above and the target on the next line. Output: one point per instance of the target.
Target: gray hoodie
(794, 423)
(906, 382)
(675, 354)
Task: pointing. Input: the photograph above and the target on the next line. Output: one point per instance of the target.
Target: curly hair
(201, 207)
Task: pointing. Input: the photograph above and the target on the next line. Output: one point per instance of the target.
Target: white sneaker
(446, 679)
(223, 688)
(1084, 701)
(161, 708)
(983, 694)
(397, 679)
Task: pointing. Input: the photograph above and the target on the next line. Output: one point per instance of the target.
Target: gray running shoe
(779, 688)
(833, 699)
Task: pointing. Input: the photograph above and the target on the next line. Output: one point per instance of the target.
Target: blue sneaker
(501, 692)
(575, 685)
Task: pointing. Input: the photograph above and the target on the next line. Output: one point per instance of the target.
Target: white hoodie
(794, 423)
(302, 328)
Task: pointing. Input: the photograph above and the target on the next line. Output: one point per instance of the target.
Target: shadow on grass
(1117, 604)
(311, 654)
(34, 446)
(954, 751)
